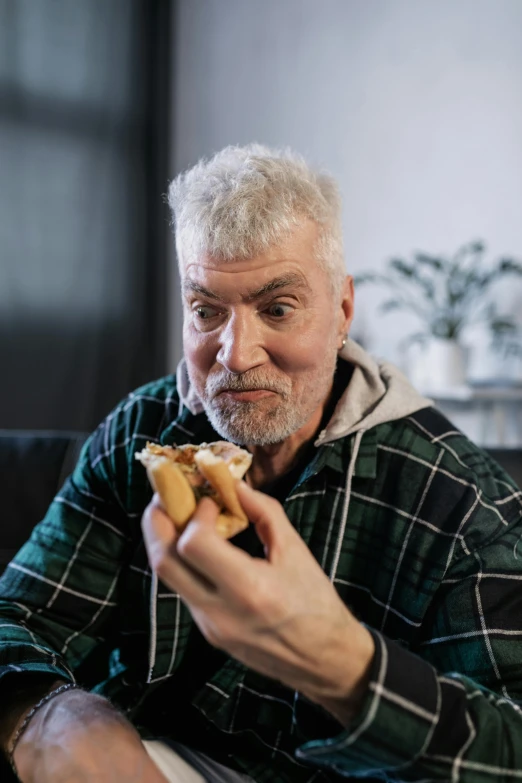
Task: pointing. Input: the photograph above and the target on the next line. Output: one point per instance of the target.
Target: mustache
(248, 381)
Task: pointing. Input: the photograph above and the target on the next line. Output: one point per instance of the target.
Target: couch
(33, 465)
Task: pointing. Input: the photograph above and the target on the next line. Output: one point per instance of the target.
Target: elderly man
(368, 622)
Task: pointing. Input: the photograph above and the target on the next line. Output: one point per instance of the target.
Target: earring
(343, 343)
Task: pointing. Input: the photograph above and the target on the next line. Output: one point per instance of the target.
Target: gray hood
(377, 393)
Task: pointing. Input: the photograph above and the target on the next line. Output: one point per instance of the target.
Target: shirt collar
(337, 455)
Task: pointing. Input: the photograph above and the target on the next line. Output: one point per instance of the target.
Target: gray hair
(244, 200)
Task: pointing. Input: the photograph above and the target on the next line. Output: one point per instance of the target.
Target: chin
(251, 428)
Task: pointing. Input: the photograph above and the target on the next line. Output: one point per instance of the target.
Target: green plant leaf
(447, 294)
(417, 337)
(509, 266)
(503, 325)
(391, 304)
(432, 261)
(469, 254)
(400, 266)
(371, 277)
(412, 275)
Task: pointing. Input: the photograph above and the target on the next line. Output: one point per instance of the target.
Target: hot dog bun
(182, 474)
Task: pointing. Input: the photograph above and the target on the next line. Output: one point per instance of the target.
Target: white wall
(415, 105)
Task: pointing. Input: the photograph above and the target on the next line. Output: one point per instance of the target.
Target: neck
(272, 462)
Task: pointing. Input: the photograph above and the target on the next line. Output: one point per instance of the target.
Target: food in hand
(181, 475)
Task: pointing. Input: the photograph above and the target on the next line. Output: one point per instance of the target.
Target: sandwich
(182, 475)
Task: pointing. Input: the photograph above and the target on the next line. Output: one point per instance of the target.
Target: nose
(240, 345)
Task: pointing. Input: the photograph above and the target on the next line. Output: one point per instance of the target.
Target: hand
(280, 616)
(78, 737)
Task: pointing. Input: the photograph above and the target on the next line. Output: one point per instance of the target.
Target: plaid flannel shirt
(428, 560)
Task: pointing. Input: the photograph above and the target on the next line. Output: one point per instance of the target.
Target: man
(370, 629)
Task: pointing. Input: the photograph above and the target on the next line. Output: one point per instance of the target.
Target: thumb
(206, 513)
(203, 519)
(272, 525)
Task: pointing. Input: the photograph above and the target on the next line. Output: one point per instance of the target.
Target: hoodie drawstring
(153, 624)
(346, 504)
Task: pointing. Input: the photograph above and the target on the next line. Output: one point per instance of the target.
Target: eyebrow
(284, 281)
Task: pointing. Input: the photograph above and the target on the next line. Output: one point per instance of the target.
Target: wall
(415, 105)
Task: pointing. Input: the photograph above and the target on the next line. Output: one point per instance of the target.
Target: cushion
(33, 466)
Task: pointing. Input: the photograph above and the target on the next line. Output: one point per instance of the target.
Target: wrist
(22, 725)
(344, 685)
(19, 693)
(63, 722)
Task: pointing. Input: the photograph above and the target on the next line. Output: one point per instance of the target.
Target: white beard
(266, 421)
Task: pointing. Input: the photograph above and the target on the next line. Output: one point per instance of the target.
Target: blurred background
(415, 107)
(85, 101)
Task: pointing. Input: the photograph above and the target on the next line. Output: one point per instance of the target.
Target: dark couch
(33, 465)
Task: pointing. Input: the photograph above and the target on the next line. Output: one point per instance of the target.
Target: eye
(279, 309)
(204, 312)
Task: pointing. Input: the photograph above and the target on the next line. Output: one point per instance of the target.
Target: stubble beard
(266, 421)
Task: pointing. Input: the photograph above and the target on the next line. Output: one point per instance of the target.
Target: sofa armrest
(33, 467)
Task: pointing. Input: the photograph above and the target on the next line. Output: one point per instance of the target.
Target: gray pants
(180, 764)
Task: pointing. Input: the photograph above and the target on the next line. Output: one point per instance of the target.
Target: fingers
(272, 525)
(224, 564)
(160, 538)
(200, 562)
(158, 530)
(206, 513)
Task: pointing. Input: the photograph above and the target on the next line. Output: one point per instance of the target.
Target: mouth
(249, 395)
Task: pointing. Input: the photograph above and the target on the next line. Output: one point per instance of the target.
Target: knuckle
(213, 637)
(258, 600)
(158, 561)
(272, 504)
(145, 519)
(219, 635)
(188, 544)
(158, 558)
(262, 605)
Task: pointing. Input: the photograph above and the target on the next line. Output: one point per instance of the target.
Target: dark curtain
(84, 97)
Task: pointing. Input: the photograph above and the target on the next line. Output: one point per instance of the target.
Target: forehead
(294, 260)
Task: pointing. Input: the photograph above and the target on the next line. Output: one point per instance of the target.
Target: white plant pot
(438, 366)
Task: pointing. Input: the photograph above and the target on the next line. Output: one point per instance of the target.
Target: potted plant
(448, 295)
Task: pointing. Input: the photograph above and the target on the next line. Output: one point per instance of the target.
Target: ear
(345, 310)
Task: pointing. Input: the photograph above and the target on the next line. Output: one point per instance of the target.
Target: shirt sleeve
(450, 709)
(58, 596)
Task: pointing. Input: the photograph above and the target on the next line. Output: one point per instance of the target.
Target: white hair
(244, 200)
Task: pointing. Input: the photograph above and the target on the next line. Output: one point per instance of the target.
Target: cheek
(198, 350)
(307, 344)
(303, 349)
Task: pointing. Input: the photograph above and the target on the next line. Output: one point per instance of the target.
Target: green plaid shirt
(429, 561)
